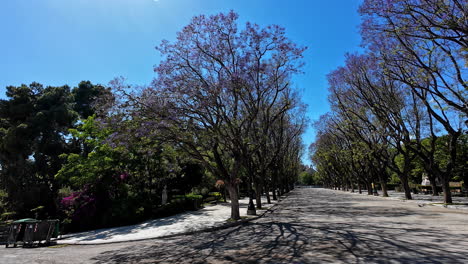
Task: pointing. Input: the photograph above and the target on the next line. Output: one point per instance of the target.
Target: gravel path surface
(423, 199)
(310, 226)
(208, 217)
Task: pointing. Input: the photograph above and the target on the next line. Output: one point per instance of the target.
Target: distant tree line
(400, 109)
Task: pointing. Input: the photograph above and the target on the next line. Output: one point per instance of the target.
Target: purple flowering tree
(212, 87)
(423, 44)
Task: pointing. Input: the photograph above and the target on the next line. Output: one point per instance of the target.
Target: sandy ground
(310, 226)
(210, 216)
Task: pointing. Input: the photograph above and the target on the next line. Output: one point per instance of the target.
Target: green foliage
(38, 209)
(3, 200)
(34, 123)
(193, 196)
(100, 161)
(4, 213)
(217, 195)
(34, 132)
(200, 190)
(85, 96)
(394, 179)
(6, 216)
(306, 178)
(64, 192)
(135, 169)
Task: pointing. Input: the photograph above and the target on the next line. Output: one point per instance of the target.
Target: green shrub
(203, 190)
(193, 201)
(193, 196)
(217, 195)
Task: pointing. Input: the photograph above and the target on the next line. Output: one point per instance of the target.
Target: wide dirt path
(310, 226)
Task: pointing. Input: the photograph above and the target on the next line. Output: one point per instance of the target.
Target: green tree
(33, 129)
(34, 123)
(306, 178)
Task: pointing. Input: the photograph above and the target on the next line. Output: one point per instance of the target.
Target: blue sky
(58, 42)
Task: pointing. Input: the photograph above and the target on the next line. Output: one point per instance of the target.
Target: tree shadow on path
(299, 231)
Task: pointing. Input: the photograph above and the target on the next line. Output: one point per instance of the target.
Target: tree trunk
(435, 192)
(232, 188)
(359, 188)
(383, 184)
(447, 176)
(273, 191)
(369, 188)
(275, 184)
(258, 194)
(404, 181)
(267, 191)
(446, 189)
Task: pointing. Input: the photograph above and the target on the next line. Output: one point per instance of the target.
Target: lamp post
(251, 207)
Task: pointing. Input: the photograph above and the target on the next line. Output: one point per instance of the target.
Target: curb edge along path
(209, 229)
